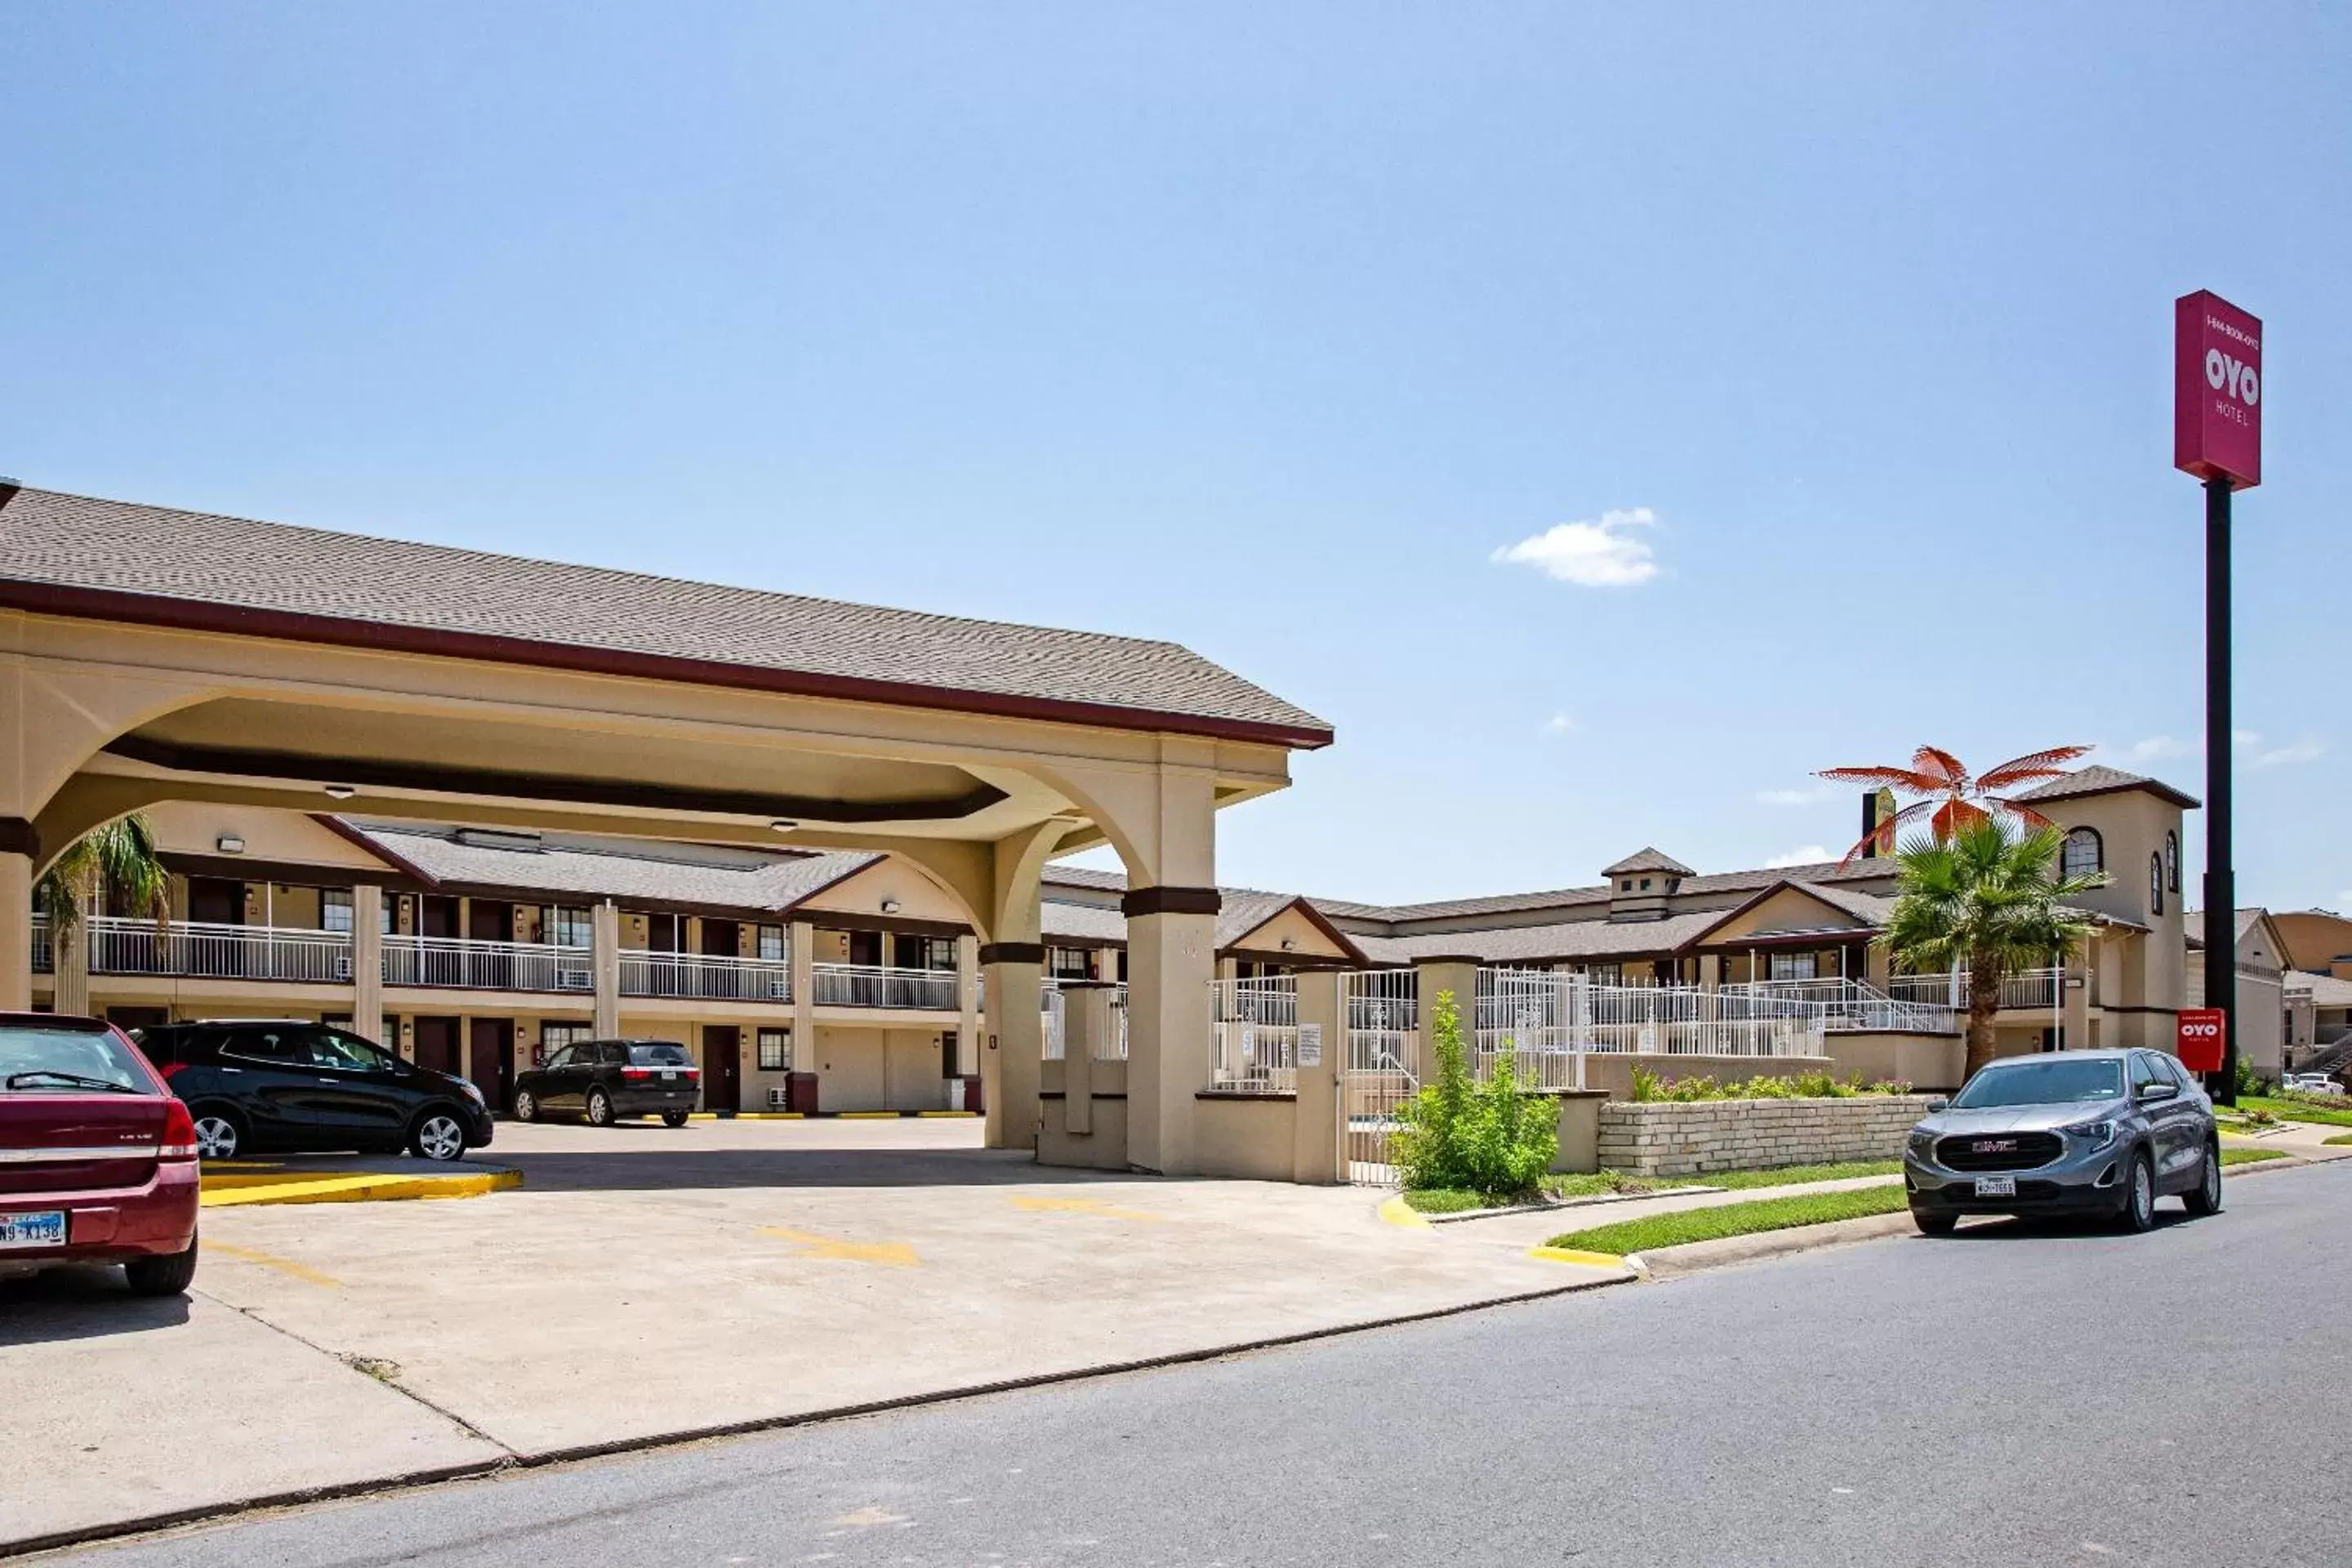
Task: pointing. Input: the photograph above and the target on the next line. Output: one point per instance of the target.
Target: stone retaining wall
(1686, 1140)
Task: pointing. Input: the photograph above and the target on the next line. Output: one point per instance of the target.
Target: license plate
(44, 1229)
(668, 1076)
(1996, 1187)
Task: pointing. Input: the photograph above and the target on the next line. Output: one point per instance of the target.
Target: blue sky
(1836, 338)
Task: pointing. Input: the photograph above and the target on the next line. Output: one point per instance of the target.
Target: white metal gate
(1383, 1065)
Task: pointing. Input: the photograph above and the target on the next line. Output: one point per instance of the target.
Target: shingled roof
(635, 874)
(70, 554)
(2098, 779)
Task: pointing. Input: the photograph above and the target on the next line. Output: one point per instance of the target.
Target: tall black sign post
(2216, 435)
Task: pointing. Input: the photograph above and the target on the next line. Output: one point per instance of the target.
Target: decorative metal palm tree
(1986, 899)
(1950, 796)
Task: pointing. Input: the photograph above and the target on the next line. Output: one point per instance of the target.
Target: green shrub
(1649, 1089)
(1492, 1138)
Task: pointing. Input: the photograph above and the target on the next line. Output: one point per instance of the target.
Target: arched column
(1012, 966)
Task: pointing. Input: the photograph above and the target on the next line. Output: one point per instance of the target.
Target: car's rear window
(35, 1060)
(2053, 1082)
(660, 1054)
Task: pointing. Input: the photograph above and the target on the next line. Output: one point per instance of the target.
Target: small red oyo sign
(2217, 390)
(2199, 1041)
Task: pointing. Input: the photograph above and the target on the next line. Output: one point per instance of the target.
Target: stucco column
(967, 1007)
(802, 954)
(1459, 975)
(70, 963)
(1318, 1151)
(367, 961)
(1086, 1024)
(605, 957)
(2076, 1001)
(15, 931)
(1010, 1065)
(1170, 959)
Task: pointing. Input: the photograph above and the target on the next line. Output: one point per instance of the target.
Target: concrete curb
(255, 1191)
(413, 1479)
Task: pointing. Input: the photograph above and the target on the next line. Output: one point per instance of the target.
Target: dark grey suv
(2079, 1132)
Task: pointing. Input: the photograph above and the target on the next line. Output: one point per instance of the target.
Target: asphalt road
(2006, 1397)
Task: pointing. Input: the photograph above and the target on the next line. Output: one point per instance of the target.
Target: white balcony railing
(1547, 1021)
(201, 950)
(711, 977)
(467, 964)
(879, 985)
(2032, 990)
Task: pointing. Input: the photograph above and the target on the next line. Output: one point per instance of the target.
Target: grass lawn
(2296, 1111)
(2255, 1156)
(1600, 1183)
(1793, 1175)
(2340, 1137)
(1733, 1219)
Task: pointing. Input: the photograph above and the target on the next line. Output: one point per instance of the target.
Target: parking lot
(646, 1281)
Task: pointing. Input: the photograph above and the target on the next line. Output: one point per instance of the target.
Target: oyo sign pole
(2216, 435)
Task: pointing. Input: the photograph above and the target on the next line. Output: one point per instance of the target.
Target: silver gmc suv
(2074, 1132)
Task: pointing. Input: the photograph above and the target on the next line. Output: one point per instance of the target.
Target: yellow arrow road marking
(270, 1261)
(1084, 1206)
(894, 1253)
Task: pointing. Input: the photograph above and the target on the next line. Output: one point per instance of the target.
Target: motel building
(477, 807)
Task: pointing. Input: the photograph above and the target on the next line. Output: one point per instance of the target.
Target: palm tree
(1988, 898)
(114, 863)
(1957, 799)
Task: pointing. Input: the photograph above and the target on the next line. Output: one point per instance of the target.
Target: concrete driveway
(647, 1282)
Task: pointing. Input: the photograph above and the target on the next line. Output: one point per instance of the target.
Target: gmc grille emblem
(1994, 1146)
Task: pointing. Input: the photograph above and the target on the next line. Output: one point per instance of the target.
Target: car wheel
(673, 1119)
(2140, 1196)
(1935, 1224)
(600, 1108)
(526, 1106)
(2205, 1197)
(219, 1134)
(439, 1135)
(166, 1276)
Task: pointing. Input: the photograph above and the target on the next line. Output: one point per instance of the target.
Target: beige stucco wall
(2131, 825)
(196, 827)
(1790, 909)
(1923, 1061)
(1244, 1136)
(1307, 940)
(892, 879)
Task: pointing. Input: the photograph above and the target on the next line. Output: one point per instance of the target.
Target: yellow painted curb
(946, 1113)
(1570, 1255)
(866, 1116)
(1396, 1211)
(349, 1187)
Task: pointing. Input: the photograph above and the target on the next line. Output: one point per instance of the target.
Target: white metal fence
(203, 949)
(1854, 1005)
(2029, 989)
(1055, 1007)
(1547, 1023)
(881, 985)
(1253, 1035)
(467, 964)
(1382, 1065)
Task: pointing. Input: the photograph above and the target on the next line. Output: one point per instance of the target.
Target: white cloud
(1559, 724)
(2248, 747)
(2307, 750)
(1803, 855)
(2159, 746)
(1812, 796)
(1594, 554)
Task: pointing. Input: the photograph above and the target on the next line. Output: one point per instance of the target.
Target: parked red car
(98, 1157)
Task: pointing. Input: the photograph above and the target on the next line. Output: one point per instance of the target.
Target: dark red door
(214, 901)
(436, 1044)
(722, 1067)
(437, 915)
(490, 1060)
(722, 937)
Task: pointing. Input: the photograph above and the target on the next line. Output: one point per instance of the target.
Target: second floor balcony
(881, 985)
(196, 950)
(2030, 990)
(705, 976)
(460, 964)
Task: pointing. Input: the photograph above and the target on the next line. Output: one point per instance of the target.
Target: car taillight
(179, 1133)
(636, 1072)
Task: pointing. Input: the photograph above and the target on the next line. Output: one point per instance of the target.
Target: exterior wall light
(341, 792)
(889, 906)
(783, 826)
(229, 843)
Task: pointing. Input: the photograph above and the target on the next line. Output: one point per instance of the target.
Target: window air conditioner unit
(780, 1099)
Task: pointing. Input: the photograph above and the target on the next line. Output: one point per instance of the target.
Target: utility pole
(2221, 873)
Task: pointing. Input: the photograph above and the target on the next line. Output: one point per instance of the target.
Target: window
(335, 909)
(2172, 861)
(775, 1050)
(281, 1047)
(559, 1058)
(1069, 963)
(657, 1054)
(933, 953)
(553, 1037)
(2083, 855)
(1796, 966)
(2156, 884)
(2144, 1071)
(571, 928)
(339, 1052)
(772, 943)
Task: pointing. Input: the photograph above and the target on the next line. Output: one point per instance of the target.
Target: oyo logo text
(2223, 371)
(2194, 1029)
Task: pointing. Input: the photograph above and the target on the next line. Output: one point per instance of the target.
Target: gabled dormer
(1640, 884)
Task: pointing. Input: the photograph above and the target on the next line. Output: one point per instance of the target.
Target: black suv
(286, 1084)
(601, 1079)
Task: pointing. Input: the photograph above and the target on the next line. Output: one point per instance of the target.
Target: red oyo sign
(2199, 1040)
(2217, 390)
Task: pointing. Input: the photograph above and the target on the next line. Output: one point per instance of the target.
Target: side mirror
(2151, 1091)
(1938, 1105)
